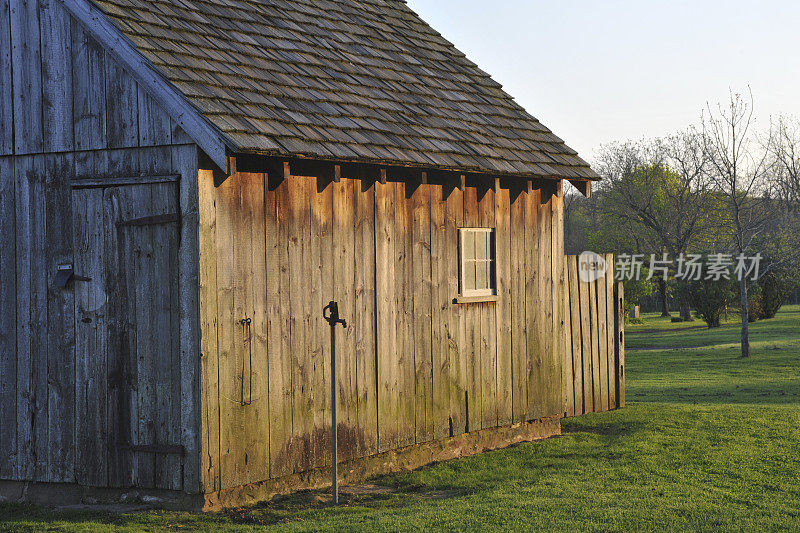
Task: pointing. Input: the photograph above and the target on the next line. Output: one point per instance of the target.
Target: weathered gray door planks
(8, 319)
(32, 422)
(6, 88)
(126, 320)
(90, 339)
(60, 321)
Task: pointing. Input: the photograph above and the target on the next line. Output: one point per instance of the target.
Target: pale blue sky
(595, 71)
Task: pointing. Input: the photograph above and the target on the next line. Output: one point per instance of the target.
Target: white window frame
(491, 263)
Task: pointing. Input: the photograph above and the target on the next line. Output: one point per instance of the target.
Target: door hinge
(151, 220)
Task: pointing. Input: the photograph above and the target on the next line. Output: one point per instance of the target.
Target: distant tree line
(720, 187)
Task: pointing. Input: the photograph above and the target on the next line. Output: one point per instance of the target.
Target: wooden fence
(594, 359)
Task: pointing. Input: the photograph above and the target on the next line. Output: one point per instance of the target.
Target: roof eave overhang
(281, 166)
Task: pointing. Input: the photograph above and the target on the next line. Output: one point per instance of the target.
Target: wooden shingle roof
(352, 80)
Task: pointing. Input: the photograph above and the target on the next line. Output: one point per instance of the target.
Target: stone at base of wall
(350, 472)
(403, 459)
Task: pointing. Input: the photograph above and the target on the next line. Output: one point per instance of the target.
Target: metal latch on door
(65, 274)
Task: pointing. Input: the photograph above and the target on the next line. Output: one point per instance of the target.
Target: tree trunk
(745, 319)
(662, 288)
(684, 301)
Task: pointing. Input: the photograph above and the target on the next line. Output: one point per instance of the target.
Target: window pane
(481, 244)
(483, 275)
(469, 245)
(469, 275)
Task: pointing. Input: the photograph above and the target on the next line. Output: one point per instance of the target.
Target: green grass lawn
(708, 441)
(658, 332)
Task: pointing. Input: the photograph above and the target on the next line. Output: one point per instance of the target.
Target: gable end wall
(69, 112)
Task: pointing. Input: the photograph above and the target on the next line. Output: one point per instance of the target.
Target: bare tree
(783, 269)
(691, 197)
(629, 172)
(785, 149)
(740, 170)
(662, 188)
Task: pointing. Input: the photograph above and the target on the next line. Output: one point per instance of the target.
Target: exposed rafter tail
(583, 186)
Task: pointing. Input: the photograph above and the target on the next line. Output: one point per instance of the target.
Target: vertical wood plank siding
(342, 264)
(519, 340)
(6, 88)
(323, 251)
(26, 60)
(365, 321)
(8, 321)
(56, 39)
(486, 371)
(422, 302)
(503, 320)
(455, 320)
(412, 365)
(405, 284)
(440, 308)
(60, 321)
(187, 367)
(470, 347)
(31, 319)
(386, 317)
(209, 370)
(91, 465)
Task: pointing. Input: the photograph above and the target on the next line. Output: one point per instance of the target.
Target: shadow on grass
(700, 393)
(27, 517)
(386, 492)
(23, 512)
(637, 331)
(611, 430)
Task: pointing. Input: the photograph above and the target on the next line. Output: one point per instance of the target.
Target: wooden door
(127, 351)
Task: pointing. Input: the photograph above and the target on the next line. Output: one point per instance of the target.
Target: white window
(477, 259)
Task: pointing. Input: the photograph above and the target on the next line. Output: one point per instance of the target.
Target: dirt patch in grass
(662, 348)
(668, 330)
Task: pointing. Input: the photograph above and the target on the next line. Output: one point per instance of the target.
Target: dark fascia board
(174, 103)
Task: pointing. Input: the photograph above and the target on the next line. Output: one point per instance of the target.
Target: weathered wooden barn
(184, 184)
